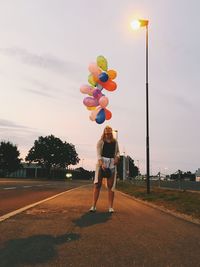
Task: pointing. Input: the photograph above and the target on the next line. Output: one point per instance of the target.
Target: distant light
(68, 175)
(135, 24)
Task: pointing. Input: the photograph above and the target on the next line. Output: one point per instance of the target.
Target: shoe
(111, 210)
(92, 209)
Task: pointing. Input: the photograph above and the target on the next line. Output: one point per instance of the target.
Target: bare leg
(111, 193)
(96, 192)
(95, 195)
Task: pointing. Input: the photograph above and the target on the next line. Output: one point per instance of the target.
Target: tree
(51, 152)
(133, 170)
(189, 175)
(9, 158)
(82, 174)
(129, 165)
(180, 175)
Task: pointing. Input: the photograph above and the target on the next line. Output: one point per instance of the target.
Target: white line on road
(27, 186)
(13, 213)
(9, 188)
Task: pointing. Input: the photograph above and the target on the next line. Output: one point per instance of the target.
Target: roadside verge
(162, 208)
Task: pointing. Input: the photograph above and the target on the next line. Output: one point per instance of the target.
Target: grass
(181, 201)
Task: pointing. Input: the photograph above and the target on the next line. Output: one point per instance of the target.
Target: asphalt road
(61, 232)
(17, 193)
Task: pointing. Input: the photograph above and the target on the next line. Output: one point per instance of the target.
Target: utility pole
(159, 179)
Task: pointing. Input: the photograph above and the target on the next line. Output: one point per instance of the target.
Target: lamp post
(115, 133)
(135, 25)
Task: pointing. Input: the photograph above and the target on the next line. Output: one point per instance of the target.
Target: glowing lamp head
(136, 24)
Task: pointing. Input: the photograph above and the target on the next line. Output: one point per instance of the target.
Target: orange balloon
(109, 85)
(112, 74)
(95, 78)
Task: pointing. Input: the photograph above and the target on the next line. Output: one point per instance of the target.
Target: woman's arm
(117, 154)
(99, 152)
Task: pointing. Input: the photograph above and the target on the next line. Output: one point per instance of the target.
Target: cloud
(47, 90)
(12, 129)
(18, 134)
(183, 102)
(37, 92)
(4, 124)
(179, 100)
(39, 84)
(44, 61)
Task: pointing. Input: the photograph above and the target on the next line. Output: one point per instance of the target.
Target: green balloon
(91, 80)
(102, 63)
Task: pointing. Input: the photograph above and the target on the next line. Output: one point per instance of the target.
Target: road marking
(9, 188)
(27, 186)
(15, 212)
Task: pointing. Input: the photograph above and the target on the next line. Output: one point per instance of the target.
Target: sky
(45, 49)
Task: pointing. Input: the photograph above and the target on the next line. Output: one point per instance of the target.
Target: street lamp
(115, 133)
(136, 24)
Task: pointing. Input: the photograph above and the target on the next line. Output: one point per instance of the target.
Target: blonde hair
(103, 137)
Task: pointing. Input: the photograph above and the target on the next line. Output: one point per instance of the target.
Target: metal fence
(180, 185)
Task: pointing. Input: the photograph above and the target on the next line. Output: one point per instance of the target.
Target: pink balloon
(103, 101)
(90, 102)
(94, 69)
(86, 89)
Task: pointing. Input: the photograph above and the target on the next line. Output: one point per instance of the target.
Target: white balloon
(99, 86)
(94, 113)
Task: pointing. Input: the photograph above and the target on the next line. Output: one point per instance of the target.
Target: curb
(176, 214)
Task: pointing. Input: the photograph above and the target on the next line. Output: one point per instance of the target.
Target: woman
(108, 156)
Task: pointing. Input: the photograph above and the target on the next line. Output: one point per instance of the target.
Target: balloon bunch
(99, 78)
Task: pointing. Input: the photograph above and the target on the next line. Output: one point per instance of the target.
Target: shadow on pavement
(33, 249)
(90, 218)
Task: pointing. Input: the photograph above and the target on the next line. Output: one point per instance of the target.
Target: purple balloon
(90, 102)
(97, 93)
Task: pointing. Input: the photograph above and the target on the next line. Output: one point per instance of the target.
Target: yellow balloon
(112, 74)
(102, 62)
(91, 80)
(91, 108)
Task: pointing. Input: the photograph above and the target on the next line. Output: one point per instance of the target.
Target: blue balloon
(103, 77)
(101, 116)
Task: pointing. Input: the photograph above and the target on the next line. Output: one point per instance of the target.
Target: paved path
(15, 194)
(61, 232)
